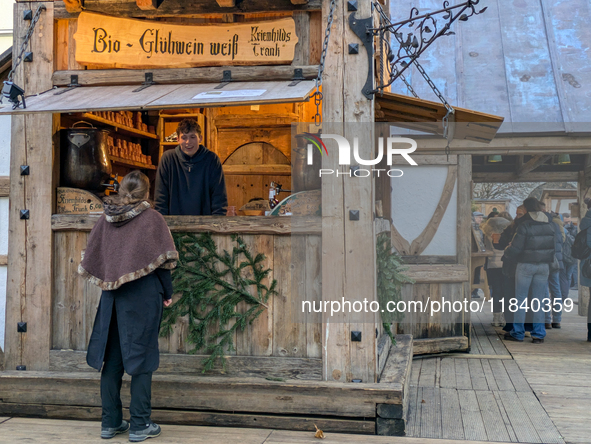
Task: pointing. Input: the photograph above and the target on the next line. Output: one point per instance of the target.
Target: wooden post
(30, 241)
(348, 246)
(73, 6)
(464, 233)
(147, 5)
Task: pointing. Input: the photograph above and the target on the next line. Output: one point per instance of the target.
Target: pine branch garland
(390, 279)
(211, 285)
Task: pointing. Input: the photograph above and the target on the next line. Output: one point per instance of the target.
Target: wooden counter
(213, 224)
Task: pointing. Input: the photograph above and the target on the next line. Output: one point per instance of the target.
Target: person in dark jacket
(553, 315)
(570, 263)
(190, 180)
(509, 265)
(533, 248)
(586, 225)
(492, 229)
(129, 255)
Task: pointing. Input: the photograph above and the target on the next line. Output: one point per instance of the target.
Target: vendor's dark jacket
(190, 186)
(534, 240)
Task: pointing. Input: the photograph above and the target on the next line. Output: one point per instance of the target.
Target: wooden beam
(302, 49)
(185, 8)
(438, 273)
(299, 2)
(269, 169)
(207, 393)
(566, 176)
(3, 259)
(359, 237)
(146, 5)
(236, 366)
(424, 239)
(4, 186)
(203, 224)
(29, 280)
(517, 145)
(439, 345)
(464, 222)
(74, 6)
(532, 164)
(194, 418)
(105, 77)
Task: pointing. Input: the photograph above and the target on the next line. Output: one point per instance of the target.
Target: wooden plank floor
(50, 431)
(559, 373)
(495, 399)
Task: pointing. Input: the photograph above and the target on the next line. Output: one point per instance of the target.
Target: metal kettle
(85, 160)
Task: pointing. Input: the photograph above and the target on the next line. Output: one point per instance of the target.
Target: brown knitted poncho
(127, 243)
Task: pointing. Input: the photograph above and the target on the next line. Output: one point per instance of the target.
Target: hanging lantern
(563, 159)
(14, 94)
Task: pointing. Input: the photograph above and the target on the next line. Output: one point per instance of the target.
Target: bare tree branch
(516, 191)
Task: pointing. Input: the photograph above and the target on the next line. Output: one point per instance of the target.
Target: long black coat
(138, 305)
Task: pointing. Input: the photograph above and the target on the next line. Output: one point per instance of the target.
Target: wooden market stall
(246, 71)
(116, 70)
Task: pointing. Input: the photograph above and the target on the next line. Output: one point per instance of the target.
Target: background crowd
(532, 266)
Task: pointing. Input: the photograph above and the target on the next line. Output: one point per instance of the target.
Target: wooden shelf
(132, 163)
(269, 169)
(180, 116)
(169, 143)
(120, 128)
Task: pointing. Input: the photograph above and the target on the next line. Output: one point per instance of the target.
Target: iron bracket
(226, 78)
(25, 170)
(298, 76)
(21, 327)
(362, 29)
(149, 81)
(73, 84)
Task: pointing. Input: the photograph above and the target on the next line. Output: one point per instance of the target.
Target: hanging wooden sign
(112, 42)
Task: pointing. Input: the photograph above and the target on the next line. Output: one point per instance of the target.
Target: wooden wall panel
(69, 305)
(273, 333)
(442, 324)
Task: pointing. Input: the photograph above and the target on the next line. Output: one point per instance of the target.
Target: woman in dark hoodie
(129, 255)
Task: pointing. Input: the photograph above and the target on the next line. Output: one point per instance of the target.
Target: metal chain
(409, 86)
(450, 110)
(433, 86)
(317, 96)
(445, 122)
(419, 67)
(28, 36)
